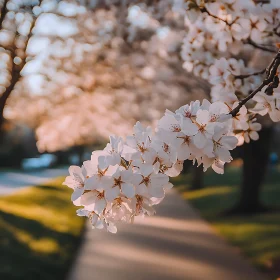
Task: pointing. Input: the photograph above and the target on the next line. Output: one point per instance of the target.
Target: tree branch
(250, 75)
(275, 30)
(4, 11)
(15, 70)
(4, 97)
(248, 41)
(271, 72)
(204, 10)
(261, 47)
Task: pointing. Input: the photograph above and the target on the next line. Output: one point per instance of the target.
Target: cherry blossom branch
(262, 1)
(249, 41)
(204, 10)
(271, 73)
(261, 47)
(275, 30)
(250, 75)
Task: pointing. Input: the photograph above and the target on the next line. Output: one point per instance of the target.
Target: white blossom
(266, 105)
(75, 181)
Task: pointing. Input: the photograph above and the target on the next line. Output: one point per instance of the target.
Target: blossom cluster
(129, 177)
(223, 28)
(218, 32)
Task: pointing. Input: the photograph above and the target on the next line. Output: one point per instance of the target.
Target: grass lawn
(39, 233)
(257, 236)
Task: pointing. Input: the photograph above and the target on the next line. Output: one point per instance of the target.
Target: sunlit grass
(257, 236)
(39, 233)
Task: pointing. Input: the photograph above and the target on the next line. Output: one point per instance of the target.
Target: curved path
(12, 180)
(175, 244)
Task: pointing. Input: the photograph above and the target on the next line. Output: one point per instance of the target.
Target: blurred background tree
(98, 73)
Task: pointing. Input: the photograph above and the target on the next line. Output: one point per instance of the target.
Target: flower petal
(89, 198)
(77, 193)
(157, 192)
(92, 183)
(199, 140)
(112, 193)
(159, 180)
(99, 205)
(128, 190)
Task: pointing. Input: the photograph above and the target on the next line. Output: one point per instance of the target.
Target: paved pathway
(10, 181)
(174, 244)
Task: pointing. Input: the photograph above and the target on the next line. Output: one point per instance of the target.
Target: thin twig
(271, 72)
(275, 30)
(235, 111)
(257, 46)
(248, 41)
(204, 10)
(249, 75)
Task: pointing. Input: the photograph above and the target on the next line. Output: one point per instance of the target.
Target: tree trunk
(80, 151)
(4, 98)
(15, 68)
(255, 161)
(186, 166)
(61, 158)
(197, 179)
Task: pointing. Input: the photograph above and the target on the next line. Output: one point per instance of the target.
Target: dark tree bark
(5, 96)
(255, 162)
(15, 68)
(186, 166)
(4, 11)
(197, 174)
(61, 158)
(80, 151)
(197, 178)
